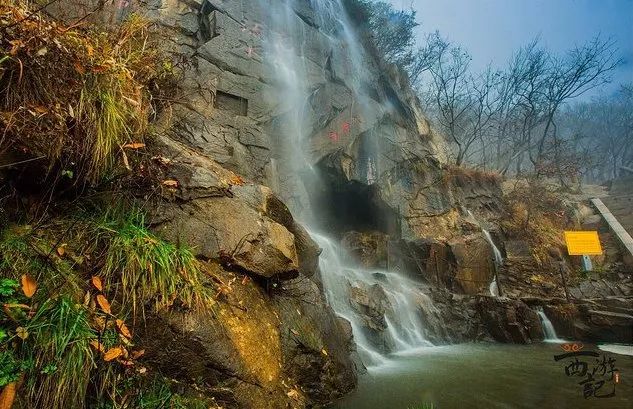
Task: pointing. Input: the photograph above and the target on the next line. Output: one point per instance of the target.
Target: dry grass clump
(462, 175)
(535, 214)
(74, 96)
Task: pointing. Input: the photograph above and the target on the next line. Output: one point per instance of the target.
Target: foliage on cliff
(77, 278)
(538, 215)
(391, 34)
(70, 289)
(72, 97)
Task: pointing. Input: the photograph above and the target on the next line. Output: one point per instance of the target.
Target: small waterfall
(493, 288)
(548, 328)
(405, 298)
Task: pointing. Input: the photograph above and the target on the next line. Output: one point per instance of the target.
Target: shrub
(59, 334)
(74, 97)
(147, 268)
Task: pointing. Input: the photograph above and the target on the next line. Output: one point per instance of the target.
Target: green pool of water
(488, 376)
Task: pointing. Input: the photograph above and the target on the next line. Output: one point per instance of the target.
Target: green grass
(148, 269)
(159, 395)
(110, 119)
(49, 343)
(138, 269)
(58, 343)
(23, 252)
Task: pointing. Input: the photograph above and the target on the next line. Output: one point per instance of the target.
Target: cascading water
(493, 288)
(548, 328)
(405, 298)
(293, 75)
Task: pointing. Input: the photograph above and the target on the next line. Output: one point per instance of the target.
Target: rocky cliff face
(265, 87)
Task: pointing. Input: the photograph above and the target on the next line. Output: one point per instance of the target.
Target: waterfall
(405, 298)
(548, 328)
(493, 288)
(290, 50)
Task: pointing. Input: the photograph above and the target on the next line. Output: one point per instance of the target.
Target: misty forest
(338, 204)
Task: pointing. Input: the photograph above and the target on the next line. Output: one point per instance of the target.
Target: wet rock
(368, 249)
(474, 265)
(425, 259)
(316, 345)
(509, 320)
(458, 318)
(371, 304)
(604, 320)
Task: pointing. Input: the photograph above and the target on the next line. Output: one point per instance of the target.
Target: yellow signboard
(580, 243)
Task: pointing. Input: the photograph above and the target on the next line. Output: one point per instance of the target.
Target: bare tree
(464, 105)
(581, 70)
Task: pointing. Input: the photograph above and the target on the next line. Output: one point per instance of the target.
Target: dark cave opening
(341, 205)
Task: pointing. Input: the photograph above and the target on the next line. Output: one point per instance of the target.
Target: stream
(486, 376)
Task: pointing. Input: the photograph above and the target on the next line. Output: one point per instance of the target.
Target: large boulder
(370, 302)
(473, 263)
(509, 320)
(254, 350)
(222, 217)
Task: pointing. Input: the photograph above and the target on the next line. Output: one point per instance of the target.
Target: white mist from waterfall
(548, 328)
(284, 52)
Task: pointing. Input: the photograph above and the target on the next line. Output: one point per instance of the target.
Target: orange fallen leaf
(97, 345)
(170, 183)
(96, 281)
(137, 354)
(29, 286)
(79, 68)
(8, 396)
(104, 304)
(61, 250)
(112, 353)
(123, 329)
(135, 145)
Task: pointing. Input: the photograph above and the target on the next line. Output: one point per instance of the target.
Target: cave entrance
(341, 205)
